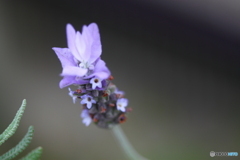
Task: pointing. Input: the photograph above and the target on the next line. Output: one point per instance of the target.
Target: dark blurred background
(177, 61)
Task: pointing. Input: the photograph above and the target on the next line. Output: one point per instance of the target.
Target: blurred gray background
(177, 61)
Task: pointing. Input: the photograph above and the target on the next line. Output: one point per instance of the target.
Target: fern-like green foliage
(10, 130)
(33, 155)
(12, 153)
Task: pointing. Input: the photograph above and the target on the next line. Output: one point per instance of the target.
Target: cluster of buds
(100, 99)
(101, 103)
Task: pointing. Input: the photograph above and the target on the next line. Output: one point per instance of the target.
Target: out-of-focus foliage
(10, 130)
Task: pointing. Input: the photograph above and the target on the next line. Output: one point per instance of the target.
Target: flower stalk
(128, 149)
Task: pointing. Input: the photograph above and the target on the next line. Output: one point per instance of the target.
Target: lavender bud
(95, 93)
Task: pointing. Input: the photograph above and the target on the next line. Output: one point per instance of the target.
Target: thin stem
(130, 152)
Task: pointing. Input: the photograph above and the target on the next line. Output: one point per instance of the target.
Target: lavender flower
(121, 104)
(83, 67)
(71, 94)
(96, 82)
(81, 60)
(86, 118)
(88, 100)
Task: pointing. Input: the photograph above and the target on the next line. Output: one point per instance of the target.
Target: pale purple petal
(88, 100)
(96, 82)
(99, 65)
(101, 75)
(73, 71)
(65, 56)
(71, 40)
(71, 94)
(66, 81)
(96, 47)
(121, 104)
(101, 71)
(86, 37)
(81, 46)
(69, 80)
(86, 118)
(84, 113)
(123, 109)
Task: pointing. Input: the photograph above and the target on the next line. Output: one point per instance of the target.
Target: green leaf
(33, 155)
(12, 153)
(11, 129)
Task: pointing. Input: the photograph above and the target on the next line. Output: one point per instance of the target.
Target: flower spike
(82, 66)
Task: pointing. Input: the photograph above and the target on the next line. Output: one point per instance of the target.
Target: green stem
(130, 152)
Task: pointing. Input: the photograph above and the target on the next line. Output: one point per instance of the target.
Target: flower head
(121, 104)
(83, 67)
(86, 118)
(88, 100)
(81, 60)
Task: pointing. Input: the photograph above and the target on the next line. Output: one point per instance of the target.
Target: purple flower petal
(101, 71)
(86, 118)
(66, 81)
(100, 75)
(86, 46)
(71, 40)
(96, 47)
(96, 82)
(69, 80)
(86, 99)
(121, 104)
(99, 65)
(73, 71)
(65, 56)
(81, 46)
(87, 37)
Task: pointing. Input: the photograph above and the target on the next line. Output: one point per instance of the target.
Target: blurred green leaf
(33, 155)
(12, 153)
(11, 129)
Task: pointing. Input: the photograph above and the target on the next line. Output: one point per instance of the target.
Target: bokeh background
(177, 61)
